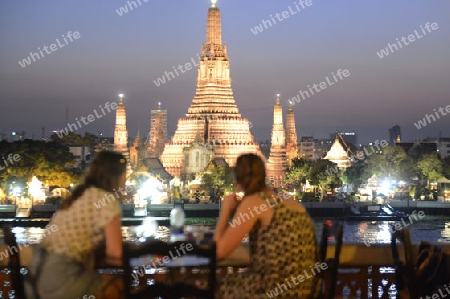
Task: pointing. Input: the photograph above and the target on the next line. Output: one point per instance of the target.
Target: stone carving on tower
(291, 136)
(157, 135)
(213, 111)
(121, 133)
(196, 158)
(277, 163)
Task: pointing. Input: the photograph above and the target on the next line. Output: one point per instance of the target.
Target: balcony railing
(364, 272)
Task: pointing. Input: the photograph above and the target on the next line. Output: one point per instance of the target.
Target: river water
(431, 229)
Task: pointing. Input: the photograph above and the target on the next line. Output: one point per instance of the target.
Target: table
(238, 258)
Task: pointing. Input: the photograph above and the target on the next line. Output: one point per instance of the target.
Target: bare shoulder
(290, 202)
(294, 205)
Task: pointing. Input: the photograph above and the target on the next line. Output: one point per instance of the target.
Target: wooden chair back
(17, 283)
(330, 276)
(404, 270)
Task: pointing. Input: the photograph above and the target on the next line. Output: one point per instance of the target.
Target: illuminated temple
(213, 116)
(338, 154)
(278, 162)
(121, 132)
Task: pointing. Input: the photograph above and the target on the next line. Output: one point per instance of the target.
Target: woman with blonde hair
(283, 243)
(63, 264)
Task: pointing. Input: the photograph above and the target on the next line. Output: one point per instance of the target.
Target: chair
(407, 285)
(14, 263)
(163, 289)
(330, 275)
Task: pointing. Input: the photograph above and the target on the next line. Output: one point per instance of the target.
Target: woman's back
(80, 227)
(284, 253)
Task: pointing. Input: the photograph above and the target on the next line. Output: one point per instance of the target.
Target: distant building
(350, 137)
(81, 155)
(418, 148)
(157, 135)
(291, 136)
(306, 148)
(16, 136)
(442, 146)
(395, 133)
(321, 147)
(339, 153)
(104, 143)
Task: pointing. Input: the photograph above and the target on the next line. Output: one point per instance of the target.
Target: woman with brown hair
(63, 264)
(283, 244)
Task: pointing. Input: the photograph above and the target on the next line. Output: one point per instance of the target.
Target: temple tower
(277, 163)
(213, 111)
(291, 136)
(157, 135)
(121, 133)
(137, 152)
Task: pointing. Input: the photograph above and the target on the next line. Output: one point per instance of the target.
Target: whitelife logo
(71, 36)
(124, 9)
(11, 158)
(323, 85)
(90, 118)
(423, 122)
(266, 24)
(318, 266)
(411, 38)
(187, 67)
(185, 248)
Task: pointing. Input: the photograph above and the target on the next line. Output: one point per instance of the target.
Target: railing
(364, 272)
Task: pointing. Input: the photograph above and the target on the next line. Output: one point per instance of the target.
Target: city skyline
(99, 53)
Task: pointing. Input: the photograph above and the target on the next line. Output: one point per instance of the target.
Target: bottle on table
(177, 217)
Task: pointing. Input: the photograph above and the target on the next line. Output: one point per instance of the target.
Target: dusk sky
(125, 54)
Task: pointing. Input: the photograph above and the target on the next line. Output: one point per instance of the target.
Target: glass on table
(196, 233)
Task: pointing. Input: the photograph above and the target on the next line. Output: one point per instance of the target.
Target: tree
(393, 163)
(50, 162)
(298, 172)
(446, 166)
(431, 167)
(220, 178)
(356, 174)
(72, 138)
(321, 176)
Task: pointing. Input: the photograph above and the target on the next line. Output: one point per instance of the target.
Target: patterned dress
(282, 259)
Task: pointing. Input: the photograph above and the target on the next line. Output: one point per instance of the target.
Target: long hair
(250, 173)
(103, 173)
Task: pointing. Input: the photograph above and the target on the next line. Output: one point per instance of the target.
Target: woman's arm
(113, 236)
(229, 204)
(243, 221)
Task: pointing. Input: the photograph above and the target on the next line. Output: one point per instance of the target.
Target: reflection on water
(445, 234)
(434, 231)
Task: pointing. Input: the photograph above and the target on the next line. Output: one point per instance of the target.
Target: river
(433, 229)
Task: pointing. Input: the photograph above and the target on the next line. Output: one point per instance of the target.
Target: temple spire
(277, 163)
(213, 27)
(278, 99)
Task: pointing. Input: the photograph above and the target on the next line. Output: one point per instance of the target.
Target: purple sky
(126, 53)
